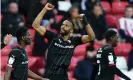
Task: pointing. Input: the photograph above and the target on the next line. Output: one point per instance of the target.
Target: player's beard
(64, 34)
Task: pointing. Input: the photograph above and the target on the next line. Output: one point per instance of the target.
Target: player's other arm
(7, 74)
(37, 21)
(91, 35)
(116, 71)
(90, 32)
(11, 64)
(35, 76)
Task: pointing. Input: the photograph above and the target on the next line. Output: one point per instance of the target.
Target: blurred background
(101, 14)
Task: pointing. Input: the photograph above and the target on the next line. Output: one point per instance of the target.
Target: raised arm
(91, 35)
(37, 21)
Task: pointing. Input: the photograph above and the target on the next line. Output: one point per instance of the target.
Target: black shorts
(58, 77)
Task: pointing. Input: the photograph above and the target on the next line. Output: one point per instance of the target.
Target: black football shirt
(105, 58)
(59, 53)
(18, 62)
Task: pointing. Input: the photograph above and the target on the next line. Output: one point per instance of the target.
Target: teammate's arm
(37, 21)
(112, 64)
(35, 76)
(7, 74)
(11, 64)
(91, 35)
(116, 71)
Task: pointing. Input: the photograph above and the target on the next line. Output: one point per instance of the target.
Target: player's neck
(22, 45)
(65, 38)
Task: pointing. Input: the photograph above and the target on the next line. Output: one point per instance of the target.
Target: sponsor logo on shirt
(62, 46)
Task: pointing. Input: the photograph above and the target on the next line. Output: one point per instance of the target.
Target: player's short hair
(21, 31)
(110, 33)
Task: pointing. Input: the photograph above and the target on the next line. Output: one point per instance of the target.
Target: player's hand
(49, 6)
(83, 18)
(7, 39)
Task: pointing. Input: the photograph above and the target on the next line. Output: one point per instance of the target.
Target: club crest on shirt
(60, 41)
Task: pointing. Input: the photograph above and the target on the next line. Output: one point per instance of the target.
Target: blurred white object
(83, 5)
(64, 5)
(121, 63)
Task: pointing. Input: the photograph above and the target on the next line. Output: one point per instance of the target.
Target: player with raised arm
(61, 47)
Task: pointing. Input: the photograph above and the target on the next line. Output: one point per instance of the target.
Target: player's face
(115, 40)
(66, 28)
(27, 38)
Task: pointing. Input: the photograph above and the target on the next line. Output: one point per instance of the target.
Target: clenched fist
(49, 6)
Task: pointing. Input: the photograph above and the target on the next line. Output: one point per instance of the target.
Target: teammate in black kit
(61, 47)
(17, 67)
(106, 58)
